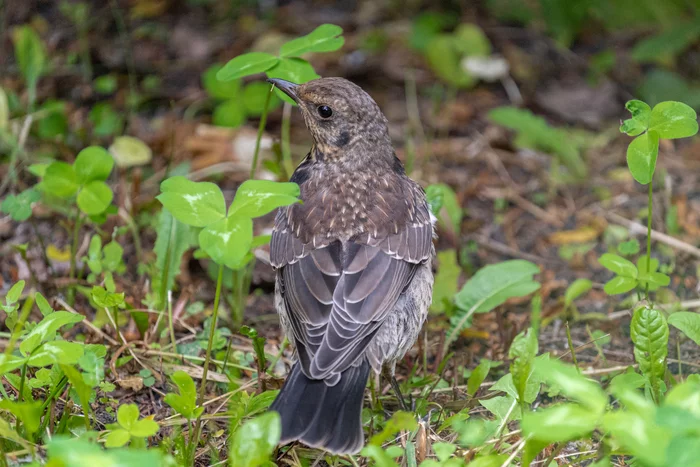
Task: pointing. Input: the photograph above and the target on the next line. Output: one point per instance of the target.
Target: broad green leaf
(60, 180)
(14, 293)
(172, 241)
(446, 281)
(490, 287)
(78, 452)
(654, 280)
(246, 65)
(642, 266)
(663, 47)
(688, 323)
(144, 428)
(649, 332)
(619, 285)
(576, 289)
(400, 421)
(532, 448)
(228, 240)
(19, 206)
(685, 396)
(229, 114)
(117, 438)
(220, 89)
(30, 54)
(95, 197)
(642, 154)
(296, 70)
(28, 412)
(93, 163)
(43, 304)
(106, 299)
(560, 423)
(478, 376)
(502, 407)
(106, 84)
(255, 198)
(572, 384)
(673, 120)
(193, 203)
(185, 402)
(522, 352)
(46, 330)
(65, 352)
(325, 38)
(629, 379)
(128, 151)
(444, 58)
(435, 197)
(445, 196)
(638, 437)
(639, 123)
(684, 449)
(127, 415)
(533, 132)
(76, 380)
(381, 457)
(629, 248)
(255, 441)
(105, 120)
(471, 41)
(254, 97)
(10, 363)
(444, 451)
(618, 265)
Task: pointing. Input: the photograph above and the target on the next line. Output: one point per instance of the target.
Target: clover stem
(286, 148)
(73, 253)
(212, 331)
(649, 217)
(261, 128)
(210, 344)
(23, 376)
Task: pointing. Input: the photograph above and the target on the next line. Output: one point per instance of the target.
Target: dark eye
(324, 111)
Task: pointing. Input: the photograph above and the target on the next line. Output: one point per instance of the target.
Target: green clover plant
(649, 328)
(285, 65)
(226, 235)
(130, 428)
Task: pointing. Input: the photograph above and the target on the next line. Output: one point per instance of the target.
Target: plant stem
(649, 218)
(26, 309)
(20, 394)
(286, 147)
(571, 346)
(73, 253)
(212, 331)
(261, 128)
(205, 369)
(173, 342)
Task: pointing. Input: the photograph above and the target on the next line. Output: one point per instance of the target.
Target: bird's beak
(286, 87)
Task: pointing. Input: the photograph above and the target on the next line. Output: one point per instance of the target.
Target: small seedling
(130, 428)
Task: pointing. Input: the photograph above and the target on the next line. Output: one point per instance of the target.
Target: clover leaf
(129, 426)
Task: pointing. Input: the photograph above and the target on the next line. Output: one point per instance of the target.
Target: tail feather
(322, 416)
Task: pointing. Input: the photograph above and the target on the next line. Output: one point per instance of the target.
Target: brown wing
(337, 296)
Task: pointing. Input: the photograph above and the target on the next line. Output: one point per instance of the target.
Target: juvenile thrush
(353, 261)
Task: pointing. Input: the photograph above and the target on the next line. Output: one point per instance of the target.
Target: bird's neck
(357, 155)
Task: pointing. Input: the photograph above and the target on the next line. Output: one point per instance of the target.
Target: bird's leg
(395, 386)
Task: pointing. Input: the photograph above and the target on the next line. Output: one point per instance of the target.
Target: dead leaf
(134, 383)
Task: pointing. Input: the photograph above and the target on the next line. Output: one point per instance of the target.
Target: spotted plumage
(353, 264)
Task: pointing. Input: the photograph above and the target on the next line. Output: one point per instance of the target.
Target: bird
(353, 265)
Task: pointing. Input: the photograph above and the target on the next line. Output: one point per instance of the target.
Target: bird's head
(342, 118)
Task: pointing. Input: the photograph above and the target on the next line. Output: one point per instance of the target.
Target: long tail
(322, 416)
